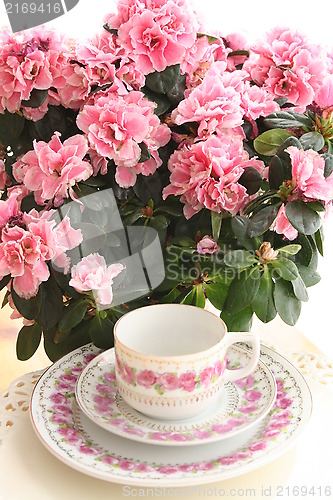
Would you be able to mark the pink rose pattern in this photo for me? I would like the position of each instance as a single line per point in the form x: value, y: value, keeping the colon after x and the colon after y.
x: 161, y: 382
x: 278, y: 421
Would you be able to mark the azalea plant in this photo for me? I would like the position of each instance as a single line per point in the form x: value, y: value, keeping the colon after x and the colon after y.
x: 224, y: 148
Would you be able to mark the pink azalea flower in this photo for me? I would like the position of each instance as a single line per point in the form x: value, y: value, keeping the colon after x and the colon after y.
x: 207, y: 245
x: 168, y: 381
x: 117, y: 125
x: 147, y: 378
x: 157, y: 34
x: 187, y: 381
x: 27, y: 61
x: 281, y: 225
x: 53, y: 168
x: 91, y: 273
x: 288, y: 66
x: 206, y: 174
x: 324, y: 94
x: 307, y: 168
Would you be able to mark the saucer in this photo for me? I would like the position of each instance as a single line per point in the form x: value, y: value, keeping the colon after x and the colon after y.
x: 75, y: 440
x: 242, y: 404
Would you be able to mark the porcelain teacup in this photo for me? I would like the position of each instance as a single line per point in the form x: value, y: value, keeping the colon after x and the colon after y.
x: 171, y: 359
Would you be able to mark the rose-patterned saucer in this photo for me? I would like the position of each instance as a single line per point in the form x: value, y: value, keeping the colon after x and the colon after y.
x: 242, y: 404
x: 75, y: 440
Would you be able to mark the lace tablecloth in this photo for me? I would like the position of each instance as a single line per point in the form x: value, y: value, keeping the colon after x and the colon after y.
x: 29, y: 471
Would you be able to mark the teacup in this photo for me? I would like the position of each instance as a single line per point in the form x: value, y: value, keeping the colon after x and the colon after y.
x: 171, y: 359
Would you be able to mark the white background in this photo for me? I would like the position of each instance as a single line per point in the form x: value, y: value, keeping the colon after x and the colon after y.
x: 252, y: 18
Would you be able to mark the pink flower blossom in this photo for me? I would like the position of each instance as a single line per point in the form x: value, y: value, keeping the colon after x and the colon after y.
x: 206, y: 376
x: 160, y: 436
x: 53, y: 168
x: 156, y: 34
x: 324, y: 94
x: 187, y: 381
x: 246, y: 382
x: 219, y: 368
x: 307, y: 168
x: 168, y: 469
x: 70, y: 435
x: 147, y: 378
x: 247, y: 409
x: 110, y: 460
x: 179, y: 437
x: 201, y: 434
x: 91, y: 273
x: 288, y: 66
x: 222, y: 428
x: 27, y: 60
x: 252, y: 395
x: 205, y: 175
x: 168, y: 381
x: 207, y: 245
x: 117, y: 125
x: 281, y: 225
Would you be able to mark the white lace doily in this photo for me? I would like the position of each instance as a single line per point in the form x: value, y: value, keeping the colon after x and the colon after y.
x: 15, y: 400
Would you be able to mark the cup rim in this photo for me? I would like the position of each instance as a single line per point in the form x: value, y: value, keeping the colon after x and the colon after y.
x: 178, y: 357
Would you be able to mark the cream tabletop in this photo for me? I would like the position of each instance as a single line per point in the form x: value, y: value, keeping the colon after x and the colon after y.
x: 29, y: 471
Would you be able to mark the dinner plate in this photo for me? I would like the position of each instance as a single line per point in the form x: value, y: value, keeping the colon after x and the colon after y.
x: 242, y: 404
x: 75, y: 440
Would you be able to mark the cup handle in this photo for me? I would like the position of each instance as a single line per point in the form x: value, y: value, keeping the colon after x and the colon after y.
x: 254, y: 340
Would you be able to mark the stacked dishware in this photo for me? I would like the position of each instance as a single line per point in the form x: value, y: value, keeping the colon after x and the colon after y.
x: 175, y: 379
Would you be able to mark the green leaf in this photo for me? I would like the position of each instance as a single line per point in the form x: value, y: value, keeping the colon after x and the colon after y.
x: 287, y: 119
x: 101, y: 332
x: 55, y: 119
x: 54, y: 351
x: 263, y: 302
x: 164, y: 81
x: 242, y: 290
x: 176, y: 94
x: 276, y: 175
x: 216, y: 294
x: 251, y: 180
x: 300, y: 290
x: 28, y: 341
x: 312, y: 140
x: 290, y: 249
x: 317, y: 206
x: 51, y: 307
x: 145, y: 155
x: 234, y: 53
x: 285, y: 268
x: 149, y: 187
x: 238, y: 322
x: 4, y: 282
x: 37, y: 97
x: 328, y: 164
x: 183, y: 241
x: 262, y: 220
x: 210, y: 38
x: 239, y: 225
x: 93, y: 237
x: 171, y: 296
x: 269, y: 142
x: 130, y: 219
x: 287, y: 305
x: 306, y: 255
x: 11, y: 126
x: 73, y: 315
x: 216, y: 220
x: 189, y: 297
x: 28, y: 308
x: 240, y: 259
x: 200, y: 299
x: 319, y: 239
x: 162, y: 101
x: 302, y: 218
x: 309, y: 276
